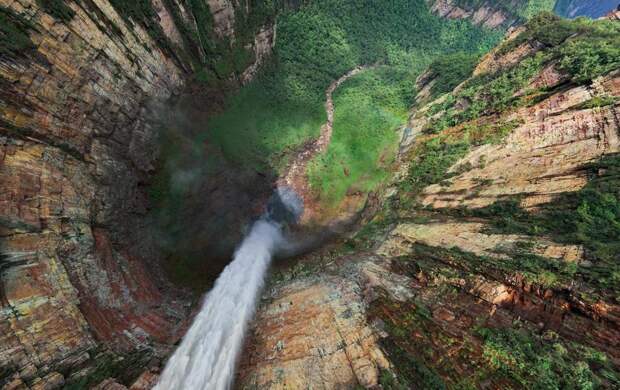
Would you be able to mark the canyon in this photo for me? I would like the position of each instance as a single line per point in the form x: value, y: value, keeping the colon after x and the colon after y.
x: 414, y: 294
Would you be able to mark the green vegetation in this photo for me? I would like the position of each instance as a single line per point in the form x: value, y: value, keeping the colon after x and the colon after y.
x: 432, y: 160
x: 216, y: 58
x: 388, y: 381
x: 583, y: 47
x: 142, y: 12
x: 545, y: 362
x: 586, y: 59
x: 316, y: 45
x: 257, y: 132
x: 546, y: 29
x: 489, y: 133
x: 431, y: 353
x: 412, y: 358
x: 433, y: 156
x: 598, y: 101
x: 124, y: 369
x: 549, y: 273
x: 412, y: 370
x: 14, y: 38
x: 57, y: 8
x: 533, y: 8
x: 450, y: 70
x: 369, y: 108
x: 486, y: 94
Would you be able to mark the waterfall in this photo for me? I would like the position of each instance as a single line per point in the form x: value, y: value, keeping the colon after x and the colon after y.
x: 207, y: 356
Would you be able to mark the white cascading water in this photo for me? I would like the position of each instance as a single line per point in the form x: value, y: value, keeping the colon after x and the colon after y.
x: 207, y: 356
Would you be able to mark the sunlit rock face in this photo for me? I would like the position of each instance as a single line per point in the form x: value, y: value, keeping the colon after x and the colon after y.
x: 485, y: 14
x: 490, y: 14
x: 591, y: 8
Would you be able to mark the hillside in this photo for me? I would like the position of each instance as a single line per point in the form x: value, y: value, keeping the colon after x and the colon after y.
x: 492, y: 261
x: 457, y: 162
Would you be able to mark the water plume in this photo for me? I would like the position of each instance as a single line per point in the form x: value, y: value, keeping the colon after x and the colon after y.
x: 207, y: 356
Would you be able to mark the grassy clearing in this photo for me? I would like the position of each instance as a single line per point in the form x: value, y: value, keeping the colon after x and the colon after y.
x: 369, y: 109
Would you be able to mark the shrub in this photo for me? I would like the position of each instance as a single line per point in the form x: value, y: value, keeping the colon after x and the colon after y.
x: 433, y: 159
x: 14, y: 38
x: 318, y: 43
x: 588, y: 217
x: 57, y: 8
x: 598, y: 101
x: 450, y: 70
x: 586, y: 59
x: 534, y: 362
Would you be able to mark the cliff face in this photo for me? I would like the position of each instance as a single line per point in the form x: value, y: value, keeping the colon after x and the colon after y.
x: 80, y: 86
x: 478, y: 268
x: 490, y: 14
x: 421, y: 292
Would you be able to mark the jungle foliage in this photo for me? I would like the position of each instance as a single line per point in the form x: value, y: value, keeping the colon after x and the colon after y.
x: 318, y: 43
x: 545, y: 362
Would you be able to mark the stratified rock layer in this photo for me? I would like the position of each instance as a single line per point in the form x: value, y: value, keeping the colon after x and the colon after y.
x: 78, y: 268
x: 313, y: 331
x: 542, y: 157
x: 75, y: 145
